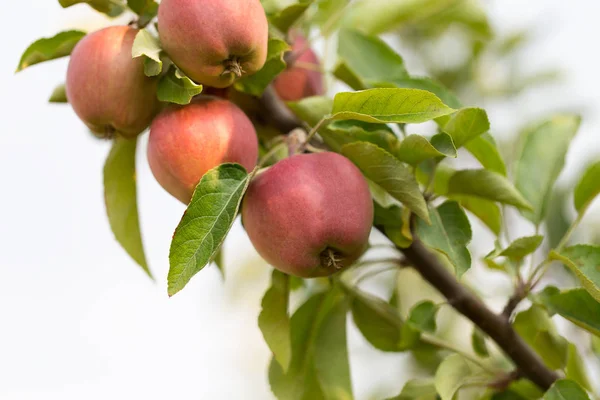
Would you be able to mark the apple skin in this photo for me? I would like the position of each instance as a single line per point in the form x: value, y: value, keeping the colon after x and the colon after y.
x: 187, y: 141
x: 107, y: 88
x: 304, y: 206
x: 203, y: 36
x: 298, y: 82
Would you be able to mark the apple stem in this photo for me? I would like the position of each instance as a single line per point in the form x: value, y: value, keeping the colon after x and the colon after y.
x: 232, y: 66
x: 331, y: 258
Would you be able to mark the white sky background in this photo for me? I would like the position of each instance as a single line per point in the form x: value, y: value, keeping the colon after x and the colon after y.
x: 78, y: 320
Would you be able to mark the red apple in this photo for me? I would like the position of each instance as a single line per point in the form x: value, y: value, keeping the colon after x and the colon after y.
x: 303, y: 78
x: 187, y: 141
x: 214, y: 41
x: 107, y: 88
x: 309, y: 215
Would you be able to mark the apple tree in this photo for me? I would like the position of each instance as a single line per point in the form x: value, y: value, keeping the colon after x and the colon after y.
x: 319, y: 157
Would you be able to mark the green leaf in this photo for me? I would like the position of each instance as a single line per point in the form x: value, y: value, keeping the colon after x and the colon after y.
x: 449, y: 233
x: 478, y: 343
x: 147, y: 45
x: 388, y: 172
x: 578, y: 306
x: 541, y: 160
x: 588, y: 188
x: 415, y: 149
x: 218, y: 260
x: 522, y: 247
x: 175, y: 87
x: 452, y: 374
x: 583, y: 260
x: 59, y: 95
x: 206, y: 222
x: 349, y: 77
x: 576, y: 369
x: 257, y: 83
x: 368, y: 57
x: 144, y: 8
x: 488, y: 185
x: 111, y: 8
x: 566, y: 390
x: 558, y: 219
x: 379, y: 323
x: 47, y: 49
x: 467, y: 124
x: 389, y: 105
x: 430, y: 85
x: 301, y: 381
x: 311, y: 109
x: 537, y: 329
x: 285, y: 18
x: 274, y: 321
x: 329, y: 14
x: 422, y: 316
x: 484, y: 149
x: 332, y: 364
x: 417, y: 389
x: 120, y: 196
x: 339, y: 133
x: 487, y: 211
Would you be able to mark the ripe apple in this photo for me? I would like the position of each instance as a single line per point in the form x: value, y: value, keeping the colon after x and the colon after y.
x: 303, y: 77
x: 214, y: 42
x: 107, y: 88
x: 309, y: 215
x: 187, y: 141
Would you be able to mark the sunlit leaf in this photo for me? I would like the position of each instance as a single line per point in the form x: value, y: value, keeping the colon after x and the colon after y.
x: 588, y: 187
x: 60, y: 45
x: 175, y: 87
x: 147, y: 45
x: 59, y: 95
x: 120, y: 195
x: 255, y: 84
x: 389, y: 105
x: 206, y: 222
x: 566, y: 390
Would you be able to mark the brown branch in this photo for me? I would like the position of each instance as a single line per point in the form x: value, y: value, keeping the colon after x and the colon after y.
x: 466, y: 303
x: 497, y: 326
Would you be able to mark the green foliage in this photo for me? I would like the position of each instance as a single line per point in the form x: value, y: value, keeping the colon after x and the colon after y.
x: 484, y: 149
x: 257, y: 83
x: 520, y: 248
x: 389, y: 105
x: 454, y: 373
x: 48, y: 49
x: 385, y: 170
x: 111, y: 8
x: 478, y: 343
x: 422, y: 316
x: 418, y: 390
x: 566, y: 389
x: 588, y: 188
x: 467, y: 124
x: 541, y: 161
x: 274, y: 321
x: 285, y: 18
x: 120, y: 196
x: 147, y: 45
x: 175, y: 87
x: 380, y: 323
x: 537, y: 329
x: 415, y: 149
x: 369, y: 58
x: 488, y: 185
x: 583, y: 261
x: 449, y: 233
x: 59, y: 95
x: 206, y: 222
x: 576, y: 305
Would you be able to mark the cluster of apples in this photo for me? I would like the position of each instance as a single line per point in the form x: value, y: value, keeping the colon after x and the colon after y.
x: 308, y: 215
